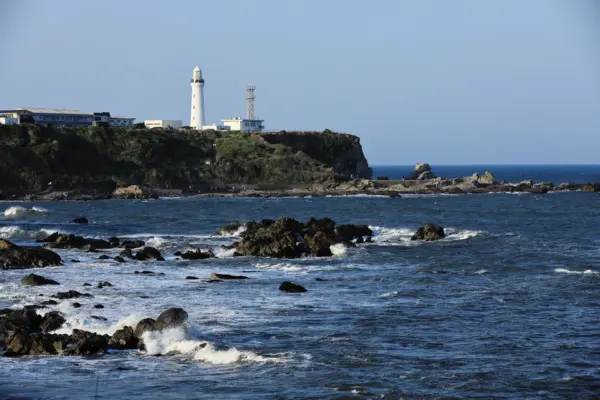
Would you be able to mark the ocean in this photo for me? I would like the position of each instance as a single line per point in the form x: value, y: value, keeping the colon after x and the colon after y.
x: 505, y: 307
x: 556, y: 174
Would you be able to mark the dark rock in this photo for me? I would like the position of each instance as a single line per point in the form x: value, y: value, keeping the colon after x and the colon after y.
x: 191, y: 277
x: 114, y: 241
x: 126, y: 253
x: 290, y: 287
x: 81, y: 220
x: 13, y: 256
x: 349, y: 232
x: 145, y: 273
x: 123, y: 339
x: 49, y: 303
x: 37, y: 280
x: 70, y: 241
x: 171, y: 318
x: 325, y: 225
x: 279, y: 240
x: 75, y: 261
x: 76, y: 305
x: 429, y: 232
x: 19, y: 320
x: 87, y: 284
x: 195, y: 254
x: 89, y: 345
x: 71, y: 294
x: 145, y: 325
x: 104, y: 284
x: 319, y: 244
x: 132, y: 244
x: 321, y: 280
x: 229, y: 229
x: 21, y: 343
x: 96, y: 317
x: 98, y: 306
x: 103, y: 257
x: 226, y: 276
x: 148, y: 253
x: 52, y: 321
x: 119, y: 259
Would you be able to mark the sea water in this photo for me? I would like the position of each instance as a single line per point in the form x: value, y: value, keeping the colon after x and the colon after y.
x: 506, y: 306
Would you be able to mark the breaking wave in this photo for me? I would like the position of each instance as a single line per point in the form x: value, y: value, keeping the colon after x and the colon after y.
x: 568, y: 271
x: 401, y: 236
x: 10, y: 231
x: 18, y: 210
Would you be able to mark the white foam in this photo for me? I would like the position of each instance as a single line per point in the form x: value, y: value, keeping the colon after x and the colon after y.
x: 237, y: 233
x: 568, y: 271
x: 10, y: 231
x: 481, y: 272
x: 156, y: 242
x: 18, y: 210
x: 338, y: 249
x: 457, y: 234
x: 223, y: 253
x: 176, y: 341
x: 401, y: 236
x: 390, y: 294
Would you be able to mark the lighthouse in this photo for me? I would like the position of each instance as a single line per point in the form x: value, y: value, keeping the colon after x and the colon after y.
x: 197, y: 111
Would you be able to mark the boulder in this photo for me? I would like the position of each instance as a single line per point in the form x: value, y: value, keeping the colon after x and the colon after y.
x: 123, y: 339
x: 37, y: 280
x: 119, y: 259
x: 486, y: 179
x: 71, y: 294
x: 19, y: 320
x: 148, y: 253
x: 420, y: 169
x: 191, y: 277
x: 49, y: 303
x: 348, y: 232
x: 145, y: 325
x: 226, y: 276
x: 87, y: 344
x: 21, y: 343
x: 103, y: 257
x: 132, y: 192
x: 76, y: 305
x: 51, y: 321
x: 229, y: 229
x: 290, y: 287
x: 104, y: 284
x: 126, y: 254
x: 70, y: 241
x: 13, y: 256
x: 591, y: 187
x: 319, y: 244
x: 98, y: 306
x: 80, y: 220
x: 132, y: 244
x: 325, y: 225
x: 195, y: 254
x: 429, y: 232
x: 171, y: 318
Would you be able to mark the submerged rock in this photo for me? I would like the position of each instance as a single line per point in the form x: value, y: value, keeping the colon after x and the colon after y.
x: 104, y: 284
x: 71, y: 294
x: 226, y: 276
x: 290, y: 287
x: 80, y: 220
x: 37, y: 280
x: 13, y: 256
x: 429, y: 232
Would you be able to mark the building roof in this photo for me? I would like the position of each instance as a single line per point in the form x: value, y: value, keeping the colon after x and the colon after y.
x: 115, y: 117
x: 54, y: 111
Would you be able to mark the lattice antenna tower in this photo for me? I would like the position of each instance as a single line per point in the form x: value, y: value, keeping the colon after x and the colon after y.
x: 250, y: 101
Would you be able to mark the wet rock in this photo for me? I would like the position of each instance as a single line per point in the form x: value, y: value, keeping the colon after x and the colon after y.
x: 191, y: 277
x: 226, y: 276
x: 80, y: 220
x: 21, y: 343
x: 103, y: 257
x: 290, y: 287
x: 123, y: 339
x: 429, y: 232
x: 349, y: 232
x: 319, y: 244
x: 76, y: 305
x: 150, y: 273
x: 70, y: 241
x: 104, y: 284
x: 13, y: 256
x: 148, y: 253
x: 96, y: 317
x: 89, y: 344
x: 229, y: 229
x: 37, y: 280
x: 132, y: 244
x: 119, y: 259
x: 52, y: 321
x: 145, y: 325
x: 321, y: 280
x: 49, y: 303
x: 18, y: 320
x: 126, y: 254
x: 71, y: 294
x: 98, y: 306
x: 195, y: 254
x: 114, y: 241
x: 87, y: 284
x: 171, y: 318
x: 75, y: 261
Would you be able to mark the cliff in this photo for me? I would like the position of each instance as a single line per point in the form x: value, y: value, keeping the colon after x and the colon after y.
x: 35, y: 159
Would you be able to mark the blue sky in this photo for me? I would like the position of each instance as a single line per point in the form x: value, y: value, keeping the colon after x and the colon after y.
x: 445, y: 82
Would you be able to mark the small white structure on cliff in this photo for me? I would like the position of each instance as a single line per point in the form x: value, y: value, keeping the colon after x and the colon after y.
x: 197, y: 109
x: 250, y: 123
x: 163, y: 123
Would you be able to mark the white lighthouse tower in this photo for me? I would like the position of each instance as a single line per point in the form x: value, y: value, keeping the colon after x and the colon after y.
x: 197, y: 113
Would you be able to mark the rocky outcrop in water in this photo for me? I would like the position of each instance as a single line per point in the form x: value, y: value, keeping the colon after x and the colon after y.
x: 37, y: 280
x: 289, y: 238
x: 13, y: 256
x: 290, y: 287
x: 195, y: 254
x: 429, y: 233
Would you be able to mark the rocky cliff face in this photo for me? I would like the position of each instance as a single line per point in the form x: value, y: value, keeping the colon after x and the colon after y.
x: 95, y: 160
x: 341, y: 151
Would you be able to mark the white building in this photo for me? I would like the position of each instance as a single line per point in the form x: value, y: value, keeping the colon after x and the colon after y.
x: 8, y: 120
x: 163, y: 123
x: 215, y: 127
x: 244, y: 125
x: 197, y: 110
